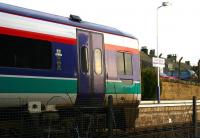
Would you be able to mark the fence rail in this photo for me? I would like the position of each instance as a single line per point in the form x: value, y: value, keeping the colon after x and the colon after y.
x: 98, y: 121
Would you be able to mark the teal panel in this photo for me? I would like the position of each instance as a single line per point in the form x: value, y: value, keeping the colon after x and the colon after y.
x: 37, y: 85
x: 122, y: 88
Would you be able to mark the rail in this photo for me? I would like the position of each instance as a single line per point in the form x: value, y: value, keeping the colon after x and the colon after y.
x: 164, y: 103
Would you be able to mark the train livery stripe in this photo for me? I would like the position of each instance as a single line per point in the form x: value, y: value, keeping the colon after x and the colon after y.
x: 121, y: 88
x: 44, y: 30
x: 38, y: 77
x: 121, y: 48
x: 34, y: 25
x: 37, y: 85
x: 39, y: 29
x: 33, y: 35
x: 71, y: 41
x: 32, y: 84
x: 120, y: 41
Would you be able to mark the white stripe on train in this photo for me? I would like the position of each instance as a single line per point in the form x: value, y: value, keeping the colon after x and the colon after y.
x: 35, y: 25
x: 37, y: 77
x: 45, y: 27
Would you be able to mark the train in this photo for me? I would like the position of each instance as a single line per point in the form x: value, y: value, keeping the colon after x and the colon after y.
x: 43, y: 56
x: 52, y: 60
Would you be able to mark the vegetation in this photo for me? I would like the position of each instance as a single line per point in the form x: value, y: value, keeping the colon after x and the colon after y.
x: 149, y: 83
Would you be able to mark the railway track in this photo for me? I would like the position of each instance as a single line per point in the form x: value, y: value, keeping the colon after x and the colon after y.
x: 164, y: 103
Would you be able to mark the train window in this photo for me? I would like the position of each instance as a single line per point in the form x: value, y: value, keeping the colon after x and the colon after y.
x: 124, y: 63
x: 98, y: 61
x: 22, y: 52
x: 120, y: 63
x: 84, y: 59
x: 128, y: 64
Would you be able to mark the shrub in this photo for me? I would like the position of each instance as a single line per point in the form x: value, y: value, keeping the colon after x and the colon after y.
x: 149, y: 83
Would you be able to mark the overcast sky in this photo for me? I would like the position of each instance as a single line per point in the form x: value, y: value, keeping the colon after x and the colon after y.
x: 179, y: 24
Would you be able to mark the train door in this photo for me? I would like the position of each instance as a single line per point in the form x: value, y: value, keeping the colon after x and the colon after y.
x: 91, y: 68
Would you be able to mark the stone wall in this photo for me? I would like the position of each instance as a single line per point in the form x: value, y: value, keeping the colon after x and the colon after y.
x: 163, y: 116
x: 179, y: 90
x: 157, y: 117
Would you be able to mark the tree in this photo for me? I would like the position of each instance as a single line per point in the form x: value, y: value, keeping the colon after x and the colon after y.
x: 149, y: 83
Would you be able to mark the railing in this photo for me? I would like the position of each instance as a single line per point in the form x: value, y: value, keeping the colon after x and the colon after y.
x: 98, y: 122
x: 163, y: 103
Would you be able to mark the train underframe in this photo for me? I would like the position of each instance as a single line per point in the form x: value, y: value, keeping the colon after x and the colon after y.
x: 76, y: 121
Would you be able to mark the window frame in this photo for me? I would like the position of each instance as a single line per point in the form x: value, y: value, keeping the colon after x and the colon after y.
x: 86, y: 51
x: 18, y: 46
x: 131, y: 64
x: 124, y: 70
x: 101, y: 61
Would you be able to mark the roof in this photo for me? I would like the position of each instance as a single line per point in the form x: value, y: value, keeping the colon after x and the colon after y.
x: 60, y: 19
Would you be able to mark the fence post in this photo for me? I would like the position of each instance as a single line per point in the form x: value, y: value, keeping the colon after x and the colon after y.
x: 110, y: 116
x: 194, y: 117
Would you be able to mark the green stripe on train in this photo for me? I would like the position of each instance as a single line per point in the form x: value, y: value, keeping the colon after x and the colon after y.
x: 122, y: 88
x: 37, y: 85
x: 48, y: 85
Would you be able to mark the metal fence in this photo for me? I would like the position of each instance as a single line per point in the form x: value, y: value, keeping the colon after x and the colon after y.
x: 83, y: 121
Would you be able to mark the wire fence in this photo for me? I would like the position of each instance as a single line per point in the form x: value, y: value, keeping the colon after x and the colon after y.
x: 35, y: 120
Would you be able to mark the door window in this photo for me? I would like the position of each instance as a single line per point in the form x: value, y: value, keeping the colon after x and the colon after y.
x: 84, y: 59
x: 98, y: 61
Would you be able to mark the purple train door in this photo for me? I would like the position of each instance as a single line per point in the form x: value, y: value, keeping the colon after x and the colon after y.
x: 91, y: 68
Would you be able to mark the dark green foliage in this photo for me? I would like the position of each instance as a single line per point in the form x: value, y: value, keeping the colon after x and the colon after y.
x: 149, y: 83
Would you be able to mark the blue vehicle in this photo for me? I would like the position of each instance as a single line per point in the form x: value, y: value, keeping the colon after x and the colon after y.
x: 184, y: 75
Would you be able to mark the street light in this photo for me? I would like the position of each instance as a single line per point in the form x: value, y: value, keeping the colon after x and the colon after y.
x: 164, y: 4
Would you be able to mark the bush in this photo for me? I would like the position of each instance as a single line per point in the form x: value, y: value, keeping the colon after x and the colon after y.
x: 149, y: 83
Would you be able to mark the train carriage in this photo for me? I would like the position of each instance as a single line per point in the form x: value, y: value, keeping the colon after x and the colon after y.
x: 51, y: 59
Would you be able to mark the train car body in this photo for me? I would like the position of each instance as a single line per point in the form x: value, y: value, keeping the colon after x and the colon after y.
x: 59, y: 60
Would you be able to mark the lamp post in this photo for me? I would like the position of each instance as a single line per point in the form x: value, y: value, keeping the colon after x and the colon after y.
x: 164, y: 4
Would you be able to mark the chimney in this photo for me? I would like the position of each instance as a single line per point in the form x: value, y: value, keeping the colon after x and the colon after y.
x: 144, y: 49
x: 172, y: 57
x: 152, y: 53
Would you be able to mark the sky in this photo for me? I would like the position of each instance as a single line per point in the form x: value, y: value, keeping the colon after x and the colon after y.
x: 178, y: 24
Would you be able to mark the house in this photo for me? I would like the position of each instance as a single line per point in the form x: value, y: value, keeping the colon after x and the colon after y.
x: 173, y: 68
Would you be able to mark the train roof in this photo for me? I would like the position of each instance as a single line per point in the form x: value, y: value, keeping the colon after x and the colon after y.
x: 60, y: 19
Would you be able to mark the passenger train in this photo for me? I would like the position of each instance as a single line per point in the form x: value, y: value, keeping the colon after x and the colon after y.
x: 49, y: 59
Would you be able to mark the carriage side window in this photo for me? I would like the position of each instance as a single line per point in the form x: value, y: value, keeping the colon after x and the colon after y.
x: 84, y: 59
x: 128, y: 64
x: 22, y: 52
x: 124, y: 63
x: 120, y: 63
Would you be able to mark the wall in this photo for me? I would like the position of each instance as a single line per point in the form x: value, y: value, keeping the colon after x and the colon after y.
x: 163, y: 116
x: 179, y: 90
